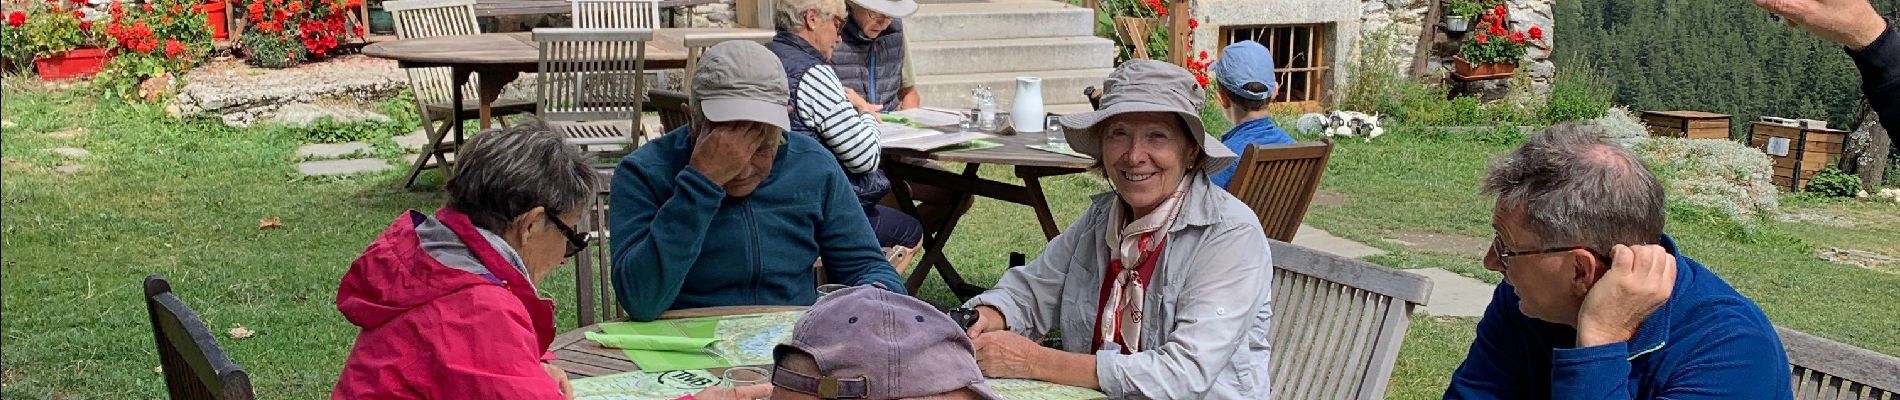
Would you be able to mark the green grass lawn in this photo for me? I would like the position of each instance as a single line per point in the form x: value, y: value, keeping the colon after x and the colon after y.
x: 184, y: 199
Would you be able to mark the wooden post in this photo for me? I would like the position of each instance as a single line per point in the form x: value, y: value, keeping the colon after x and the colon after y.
x: 1178, y: 32
x: 1425, y: 38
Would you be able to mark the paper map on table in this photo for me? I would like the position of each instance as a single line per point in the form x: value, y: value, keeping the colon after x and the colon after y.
x: 642, y: 385
x: 743, y: 340
x: 1024, y: 389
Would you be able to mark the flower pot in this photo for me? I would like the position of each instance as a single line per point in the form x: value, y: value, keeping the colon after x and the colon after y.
x: 1135, y: 31
x: 1457, y: 24
x: 1466, y: 71
x: 381, y: 21
x: 76, y: 63
x: 214, y: 16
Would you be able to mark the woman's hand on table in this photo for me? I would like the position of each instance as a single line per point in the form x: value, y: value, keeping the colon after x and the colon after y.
x: 987, y: 320
x: 753, y: 392
x: 560, y: 376
x: 1007, y: 355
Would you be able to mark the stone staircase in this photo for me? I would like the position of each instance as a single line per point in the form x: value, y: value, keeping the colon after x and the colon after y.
x: 957, y: 46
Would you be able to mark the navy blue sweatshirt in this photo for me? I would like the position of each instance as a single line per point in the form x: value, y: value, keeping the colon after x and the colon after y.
x: 1879, y: 65
x: 1705, y: 342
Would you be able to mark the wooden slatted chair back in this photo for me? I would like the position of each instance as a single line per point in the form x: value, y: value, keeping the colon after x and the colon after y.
x: 593, y: 269
x: 1278, y: 182
x: 1337, y: 323
x: 697, y: 43
x: 1823, y: 369
x: 194, y: 365
x: 591, y: 74
x: 643, y: 14
x: 430, y: 18
x: 672, y: 108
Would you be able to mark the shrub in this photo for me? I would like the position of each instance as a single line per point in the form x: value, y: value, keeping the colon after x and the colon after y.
x: 1831, y: 182
x: 272, y: 49
x: 165, y: 37
x: 1721, y: 175
x: 1620, y: 127
x: 1576, y: 93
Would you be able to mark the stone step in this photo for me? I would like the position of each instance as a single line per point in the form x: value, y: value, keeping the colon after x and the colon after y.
x: 333, y: 151
x: 343, y: 167
x: 998, y: 20
x: 1058, y: 87
x: 1011, y: 55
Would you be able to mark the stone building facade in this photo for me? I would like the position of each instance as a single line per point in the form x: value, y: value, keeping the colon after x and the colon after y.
x: 1343, y: 24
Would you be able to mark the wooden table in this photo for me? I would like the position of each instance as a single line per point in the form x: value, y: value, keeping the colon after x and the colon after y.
x: 501, y: 57
x: 1031, y: 165
x: 583, y: 358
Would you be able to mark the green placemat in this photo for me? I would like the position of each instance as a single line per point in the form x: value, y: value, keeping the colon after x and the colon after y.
x: 1063, y: 150
x: 978, y: 144
x: 739, y: 340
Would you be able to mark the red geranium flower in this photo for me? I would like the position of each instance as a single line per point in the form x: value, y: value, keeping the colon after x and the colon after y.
x: 1517, y: 37
x: 1482, y: 39
x: 1501, y: 11
x: 78, y: 15
x: 166, y: 19
x: 1161, y: 10
x: 177, y: 9
x: 173, y: 48
x: 1537, y: 33
x: 149, y: 8
x: 1202, y: 79
x: 1203, y: 54
x: 16, y: 18
x: 85, y: 25
x: 1192, y: 23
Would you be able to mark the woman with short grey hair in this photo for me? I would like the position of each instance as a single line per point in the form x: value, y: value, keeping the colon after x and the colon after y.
x: 808, y: 32
x: 447, y: 303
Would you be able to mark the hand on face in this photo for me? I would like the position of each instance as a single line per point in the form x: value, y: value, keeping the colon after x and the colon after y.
x: 1006, y: 355
x: 1639, y: 280
x: 724, y: 152
x: 1851, y: 23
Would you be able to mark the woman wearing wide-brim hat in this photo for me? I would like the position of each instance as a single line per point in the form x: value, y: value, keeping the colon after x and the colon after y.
x: 1162, y: 288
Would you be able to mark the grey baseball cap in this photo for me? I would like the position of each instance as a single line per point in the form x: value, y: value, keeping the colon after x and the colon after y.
x: 892, y: 8
x: 873, y: 344
x: 1149, y: 86
x: 739, y: 80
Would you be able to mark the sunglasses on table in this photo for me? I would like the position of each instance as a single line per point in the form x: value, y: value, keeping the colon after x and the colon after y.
x: 575, y: 240
x: 1504, y: 254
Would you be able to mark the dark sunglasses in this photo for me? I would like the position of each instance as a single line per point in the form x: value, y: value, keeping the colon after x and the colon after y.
x: 575, y: 240
x: 1504, y: 255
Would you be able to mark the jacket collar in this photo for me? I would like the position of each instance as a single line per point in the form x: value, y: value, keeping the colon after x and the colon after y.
x: 1653, y: 334
x: 796, y: 42
x: 540, y: 311
x: 1200, y: 207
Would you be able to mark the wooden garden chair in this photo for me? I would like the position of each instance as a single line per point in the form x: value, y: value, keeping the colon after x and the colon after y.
x: 1278, y: 182
x: 640, y: 14
x: 1337, y: 323
x: 431, y: 86
x: 697, y: 43
x: 593, y: 268
x: 1825, y: 369
x: 189, y: 357
x: 591, y: 85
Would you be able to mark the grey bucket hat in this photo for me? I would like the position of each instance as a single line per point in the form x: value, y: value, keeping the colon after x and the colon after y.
x: 873, y: 344
x: 740, y: 80
x: 1149, y: 86
x: 892, y: 8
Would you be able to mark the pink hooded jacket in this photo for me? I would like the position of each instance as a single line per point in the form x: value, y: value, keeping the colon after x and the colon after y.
x: 443, y: 316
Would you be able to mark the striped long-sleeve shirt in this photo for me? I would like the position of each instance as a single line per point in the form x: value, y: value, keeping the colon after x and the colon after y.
x: 850, y: 135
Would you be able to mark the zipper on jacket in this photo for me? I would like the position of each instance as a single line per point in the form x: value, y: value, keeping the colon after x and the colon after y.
x: 752, y: 228
x: 870, y: 65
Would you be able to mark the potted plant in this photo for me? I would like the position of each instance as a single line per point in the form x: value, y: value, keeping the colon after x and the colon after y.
x: 63, y: 40
x: 153, y: 41
x: 1460, y: 13
x: 1494, y: 51
x: 13, y: 46
x: 1138, y: 27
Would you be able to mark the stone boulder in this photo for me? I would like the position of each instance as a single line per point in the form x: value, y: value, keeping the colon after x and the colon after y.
x: 241, y: 95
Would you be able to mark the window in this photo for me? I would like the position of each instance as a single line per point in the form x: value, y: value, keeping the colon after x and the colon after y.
x: 1299, y: 59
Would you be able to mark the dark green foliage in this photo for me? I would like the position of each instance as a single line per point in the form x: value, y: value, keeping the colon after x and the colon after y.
x: 1720, y: 56
x: 1578, y: 92
x: 1831, y: 182
x: 273, y: 50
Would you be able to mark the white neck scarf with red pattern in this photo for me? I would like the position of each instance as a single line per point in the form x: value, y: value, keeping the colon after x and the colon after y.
x: 1127, y: 246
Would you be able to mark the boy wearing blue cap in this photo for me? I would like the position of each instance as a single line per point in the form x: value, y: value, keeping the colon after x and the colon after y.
x: 1245, y: 73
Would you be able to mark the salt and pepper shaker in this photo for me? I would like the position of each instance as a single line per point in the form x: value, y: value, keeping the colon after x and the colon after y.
x: 985, y: 109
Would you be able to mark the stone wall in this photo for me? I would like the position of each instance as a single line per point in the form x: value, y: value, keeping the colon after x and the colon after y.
x: 1352, y: 20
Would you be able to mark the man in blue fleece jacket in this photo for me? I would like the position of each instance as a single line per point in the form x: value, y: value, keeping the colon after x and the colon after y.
x: 1597, y: 303
x: 731, y: 210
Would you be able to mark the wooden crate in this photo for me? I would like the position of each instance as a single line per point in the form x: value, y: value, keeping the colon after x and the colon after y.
x: 1809, y: 150
x: 1687, y: 124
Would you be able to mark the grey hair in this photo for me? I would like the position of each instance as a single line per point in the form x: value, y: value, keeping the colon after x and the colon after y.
x: 789, y: 15
x: 504, y: 173
x: 1577, y: 190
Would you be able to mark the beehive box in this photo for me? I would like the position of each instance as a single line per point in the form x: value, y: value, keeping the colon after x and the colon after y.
x: 1797, y: 153
x: 1687, y: 124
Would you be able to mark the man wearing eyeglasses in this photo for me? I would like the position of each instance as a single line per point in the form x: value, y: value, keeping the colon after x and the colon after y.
x: 1597, y: 302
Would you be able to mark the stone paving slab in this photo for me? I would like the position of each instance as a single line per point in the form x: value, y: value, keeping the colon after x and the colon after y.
x: 1454, y: 295
x: 71, y: 152
x: 342, y: 167
x: 1321, y: 240
x: 69, y: 169
x: 414, y: 140
x: 331, y: 151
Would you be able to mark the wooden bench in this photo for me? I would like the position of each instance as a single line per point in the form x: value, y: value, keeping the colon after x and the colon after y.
x: 1337, y: 323
x: 1826, y: 369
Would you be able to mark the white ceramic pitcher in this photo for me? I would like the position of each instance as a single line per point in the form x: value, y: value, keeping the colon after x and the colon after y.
x: 1026, y: 114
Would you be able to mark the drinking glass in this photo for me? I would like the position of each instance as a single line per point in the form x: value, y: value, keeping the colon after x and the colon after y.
x: 1053, y: 128
x: 737, y: 377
